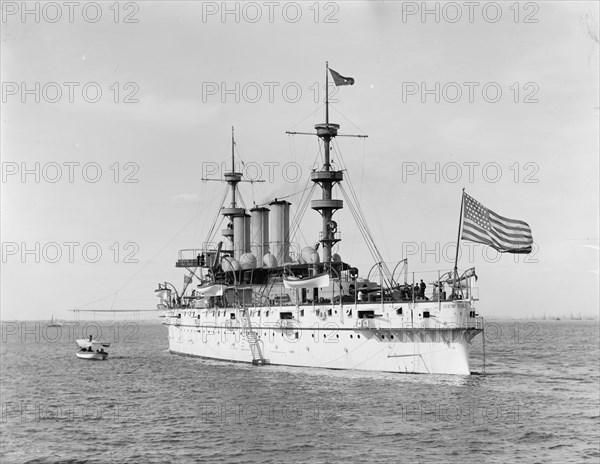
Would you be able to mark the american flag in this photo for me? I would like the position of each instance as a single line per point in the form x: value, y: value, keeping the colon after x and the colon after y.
x: 482, y: 225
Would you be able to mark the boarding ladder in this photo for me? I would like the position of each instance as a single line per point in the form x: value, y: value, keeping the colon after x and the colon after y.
x: 253, y: 339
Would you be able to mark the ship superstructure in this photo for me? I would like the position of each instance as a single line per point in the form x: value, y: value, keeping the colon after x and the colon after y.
x: 253, y: 299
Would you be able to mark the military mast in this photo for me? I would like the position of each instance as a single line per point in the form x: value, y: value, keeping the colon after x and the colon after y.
x: 232, y: 178
x: 327, y: 178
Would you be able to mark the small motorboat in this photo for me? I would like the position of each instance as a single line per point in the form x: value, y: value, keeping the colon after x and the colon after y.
x: 92, y: 349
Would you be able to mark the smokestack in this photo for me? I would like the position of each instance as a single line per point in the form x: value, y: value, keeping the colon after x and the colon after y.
x: 241, y: 235
x: 259, y: 233
x: 279, y: 230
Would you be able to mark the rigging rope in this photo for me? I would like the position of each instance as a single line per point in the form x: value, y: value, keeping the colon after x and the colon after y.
x: 306, y: 117
x: 353, y: 200
x: 334, y: 108
x: 364, y: 230
x: 214, y: 224
x: 302, y: 207
x: 300, y: 211
x: 136, y: 273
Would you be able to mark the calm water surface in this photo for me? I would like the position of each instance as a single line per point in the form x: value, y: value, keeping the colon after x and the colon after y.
x: 538, y: 402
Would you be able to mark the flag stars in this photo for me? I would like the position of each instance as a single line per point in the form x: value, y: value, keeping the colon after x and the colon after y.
x: 477, y: 213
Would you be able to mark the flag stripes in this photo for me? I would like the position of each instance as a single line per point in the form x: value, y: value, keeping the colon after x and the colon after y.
x: 484, y: 226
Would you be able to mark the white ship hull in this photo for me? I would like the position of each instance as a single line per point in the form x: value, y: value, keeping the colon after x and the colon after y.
x: 92, y: 356
x: 388, y: 343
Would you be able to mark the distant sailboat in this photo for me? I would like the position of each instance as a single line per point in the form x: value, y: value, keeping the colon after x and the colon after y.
x: 54, y: 323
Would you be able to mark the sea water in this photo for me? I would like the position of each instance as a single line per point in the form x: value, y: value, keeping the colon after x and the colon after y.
x: 537, y: 402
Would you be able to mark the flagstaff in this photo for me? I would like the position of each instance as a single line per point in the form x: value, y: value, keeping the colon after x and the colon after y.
x: 462, y: 200
x: 327, y: 92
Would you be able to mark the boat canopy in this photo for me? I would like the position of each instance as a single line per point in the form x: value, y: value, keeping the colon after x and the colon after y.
x: 83, y: 343
x: 321, y: 280
x: 211, y: 290
x: 163, y: 293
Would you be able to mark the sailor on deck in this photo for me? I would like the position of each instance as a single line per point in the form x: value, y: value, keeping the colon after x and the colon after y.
x: 422, y: 287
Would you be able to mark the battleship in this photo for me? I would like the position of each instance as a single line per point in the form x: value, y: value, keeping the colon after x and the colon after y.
x: 252, y: 297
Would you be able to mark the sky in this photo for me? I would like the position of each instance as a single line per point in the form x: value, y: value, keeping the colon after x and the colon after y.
x: 112, y: 113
